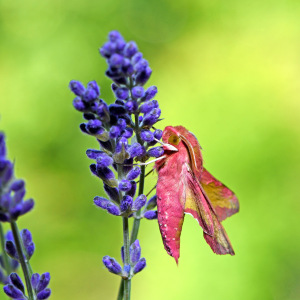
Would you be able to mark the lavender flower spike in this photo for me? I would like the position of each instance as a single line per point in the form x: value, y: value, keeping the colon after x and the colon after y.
x: 12, y: 203
x: 19, y: 245
x: 125, y: 132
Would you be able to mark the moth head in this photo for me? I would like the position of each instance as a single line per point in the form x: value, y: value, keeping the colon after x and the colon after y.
x: 173, y: 136
x: 170, y: 139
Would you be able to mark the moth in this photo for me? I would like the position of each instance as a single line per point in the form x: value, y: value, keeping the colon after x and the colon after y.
x: 185, y: 187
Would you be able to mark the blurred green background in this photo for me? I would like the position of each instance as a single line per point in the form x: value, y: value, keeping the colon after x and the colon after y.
x: 229, y: 71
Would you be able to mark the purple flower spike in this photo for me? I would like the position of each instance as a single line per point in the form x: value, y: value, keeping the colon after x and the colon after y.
x: 150, y: 93
x: 17, y: 185
x: 94, y: 86
x: 116, y: 60
x: 17, y: 282
x: 135, y: 252
x: 132, y: 191
x: 139, y: 266
x: 35, y: 278
x: 114, y: 210
x: 107, y: 175
x: 143, y: 76
x: 102, y: 111
x: 93, y: 154
x: 134, y: 173
x: 11, y: 249
x: 127, y: 67
x: 131, y: 106
x: 117, y: 110
x: 151, y: 117
x: 27, y: 206
x: 112, y: 265
x: 122, y: 93
x: 123, y: 142
x: 138, y: 92
x: 150, y: 215
x: 136, y: 149
x: 127, y: 133
x: 13, y: 292
x: 147, y: 135
x: 43, y: 282
x: 102, y: 202
x: 114, y: 132
x: 146, y: 107
x: 156, y: 152
x: 125, y: 185
x: 126, y: 204
x: 112, y: 193
x: 79, y: 104
x: 15, y: 211
x: 114, y: 36
x: 77, y: 87
x: 136, y: 57
x: 130, y: 49
x: 158, y: 134
x: 104, y: 160
x: 122, y: 124
x: 139, y: 202
x: 27, y: 242
x: 141, y: 66
x: 94, y: 126
x: 45, y: 294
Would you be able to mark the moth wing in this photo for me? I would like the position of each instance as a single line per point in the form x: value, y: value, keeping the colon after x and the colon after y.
x: 170, y: 191
x: 196, y: 204
x: 221, y: 197
x: 215, y: 236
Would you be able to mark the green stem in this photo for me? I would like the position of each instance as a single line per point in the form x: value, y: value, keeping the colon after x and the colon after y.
x: 136, y: 223
x: 121, y: 290
x: 127, y: 282
x: 4, y: 254
x: 23, y: 260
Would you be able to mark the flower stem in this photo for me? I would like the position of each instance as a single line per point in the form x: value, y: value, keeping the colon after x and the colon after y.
x: 4, y: 254
x: 121, y: 290
x: 127, y: 282
x: 136, y: 223
x: 23, y: 260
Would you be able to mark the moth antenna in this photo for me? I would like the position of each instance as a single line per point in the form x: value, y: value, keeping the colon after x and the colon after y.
x: 191, y: 151
x: 151, y: 191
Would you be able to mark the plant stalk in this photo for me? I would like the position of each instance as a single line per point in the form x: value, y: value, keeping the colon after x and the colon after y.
x: 23, y: 260
x: 4, y: 254
x: 136, y: 223
x: 127, y: 282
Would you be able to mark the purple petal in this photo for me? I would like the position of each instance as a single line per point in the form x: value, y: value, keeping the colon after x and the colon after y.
x: 45, y: 294
x: 12, y: 292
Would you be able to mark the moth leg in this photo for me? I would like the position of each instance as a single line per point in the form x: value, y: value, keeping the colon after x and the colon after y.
x: 147, y: 174
x: 143, y: 164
